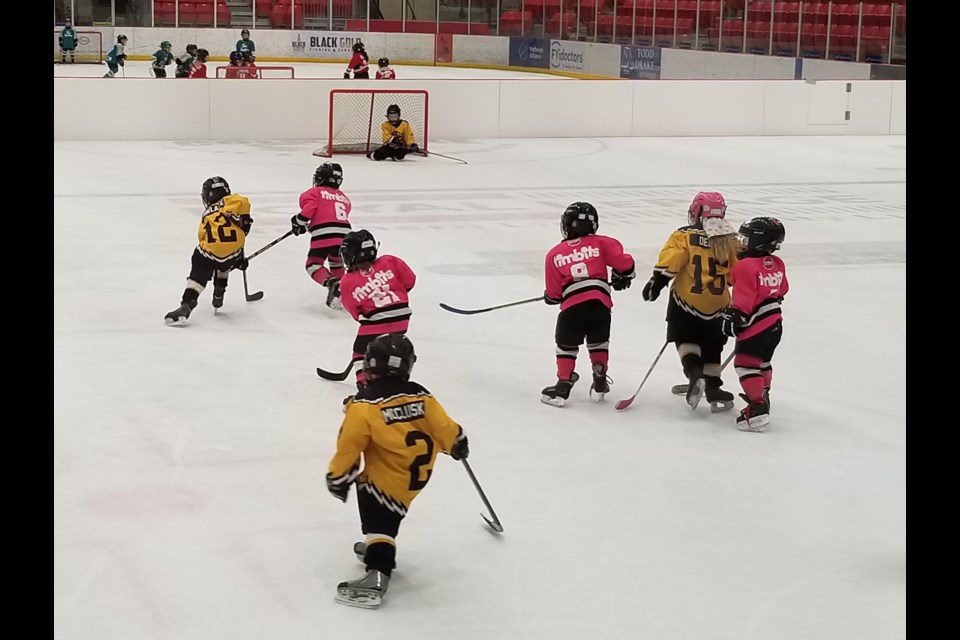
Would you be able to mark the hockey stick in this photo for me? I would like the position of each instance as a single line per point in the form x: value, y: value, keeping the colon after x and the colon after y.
x: 268, y: 245
x: 470, y: 312
x: 427, y: 154
x: 495, y: 523
x: 623, y: 404
x: 251, y: 297
x: 681, y: 389
x: 258, y: 295
x: 338, y: 377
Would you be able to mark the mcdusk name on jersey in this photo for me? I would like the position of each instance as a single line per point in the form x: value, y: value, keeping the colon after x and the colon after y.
x: 403, y: 412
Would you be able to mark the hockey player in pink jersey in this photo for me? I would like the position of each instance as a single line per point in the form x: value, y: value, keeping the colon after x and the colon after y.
x: 759, y: 282
x: 374, y: 291
x: 325, y: 213
x: 576, y: 279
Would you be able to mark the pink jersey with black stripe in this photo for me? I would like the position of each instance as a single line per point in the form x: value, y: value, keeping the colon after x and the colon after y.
x: 758, y: 286
x: 576, y: 269
x: 377, y: 297
x: 325, y: 212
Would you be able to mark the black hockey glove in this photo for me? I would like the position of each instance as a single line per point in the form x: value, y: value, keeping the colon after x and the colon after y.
x: 346, y: 75
x: 295, y: 225
x: 414, y: 148
x: 733, y: 320
x: 651, y: 290
x: 340, y: 491
x: 549, y: 300
x: 460, y: 449
x: 620, y: 281
x: 241, y: 263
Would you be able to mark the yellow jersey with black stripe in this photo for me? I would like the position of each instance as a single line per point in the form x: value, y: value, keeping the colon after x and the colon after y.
x: 701, y: 280
x: 397, y: 428
x: 224, y: 228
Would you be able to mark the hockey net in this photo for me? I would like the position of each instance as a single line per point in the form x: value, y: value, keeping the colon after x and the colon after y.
x: 356, y: 116
x: 255, y: 72
x: 89, y: 48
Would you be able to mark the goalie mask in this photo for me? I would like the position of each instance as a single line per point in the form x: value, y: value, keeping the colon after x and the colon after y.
x: 214, y: 190
x: 329, y: 174
x: 578, y: 220
x: 357, y: 248
x: 393, y: 110
x: 390, y: 354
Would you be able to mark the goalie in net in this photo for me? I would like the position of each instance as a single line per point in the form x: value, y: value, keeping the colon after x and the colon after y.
x: 398, y: 138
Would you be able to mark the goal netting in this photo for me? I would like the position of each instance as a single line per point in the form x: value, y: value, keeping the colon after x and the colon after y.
x: 356, y: 116
x: 255, y: 72
x: 89, y: 48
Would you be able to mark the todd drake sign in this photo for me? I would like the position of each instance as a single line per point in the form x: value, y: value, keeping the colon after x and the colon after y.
x: 324, y: 44
x: 566, y: 55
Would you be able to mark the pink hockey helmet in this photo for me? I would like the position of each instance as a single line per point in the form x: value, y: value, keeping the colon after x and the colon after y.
x: 706, y: 204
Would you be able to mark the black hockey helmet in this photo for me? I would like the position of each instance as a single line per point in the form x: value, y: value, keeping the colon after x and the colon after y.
x: 357, y: 46
x: 202, y: 55
x: 578, y: 220
x: 191, y: 48
x: 214, y: 190
x: 394, y: 108
x: 329, y: 174
x: 357, y: 248
x: 383, y: 62
x: 390, y: 354
x: 245, y: 32
x: 122, y: 38
x: 760, y: 237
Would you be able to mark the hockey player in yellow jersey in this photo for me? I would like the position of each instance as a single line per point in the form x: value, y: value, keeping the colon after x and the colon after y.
x: 697, y: 258
x: 397, y: 428
x: 221, y: 237
x: 398, y: 138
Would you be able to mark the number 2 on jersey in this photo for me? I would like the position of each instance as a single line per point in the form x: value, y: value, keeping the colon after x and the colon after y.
x: 423, y: 459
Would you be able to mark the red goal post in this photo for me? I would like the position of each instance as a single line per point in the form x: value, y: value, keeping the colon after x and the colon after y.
x: 266, y: 71
x: 89, y: 47
x: 356, y: 116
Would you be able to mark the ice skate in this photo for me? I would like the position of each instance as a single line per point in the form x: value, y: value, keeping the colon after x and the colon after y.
x: 366, y: 592
x: 560, y: 392
x: 218, y: 292
x: 601, y: 382
x: 333, y: 293
x: 695, y: 389
x: 754, y: 417
x: 696, y: 383
x: 180, y: 315
x: 719, y: 399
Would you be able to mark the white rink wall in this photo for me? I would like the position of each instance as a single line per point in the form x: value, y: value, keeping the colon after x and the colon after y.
x: 148, y: 109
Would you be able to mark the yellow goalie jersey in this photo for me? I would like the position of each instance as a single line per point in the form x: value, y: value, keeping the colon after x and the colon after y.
x: 402, y: 133
x: 224, y: 228
x: 701, y: 282
x: 398, y: 428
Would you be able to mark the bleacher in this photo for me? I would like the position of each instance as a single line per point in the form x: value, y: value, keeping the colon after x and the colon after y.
x: 753, y: 26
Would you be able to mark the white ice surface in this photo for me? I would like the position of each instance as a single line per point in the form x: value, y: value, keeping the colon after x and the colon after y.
x: 189, y: 497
